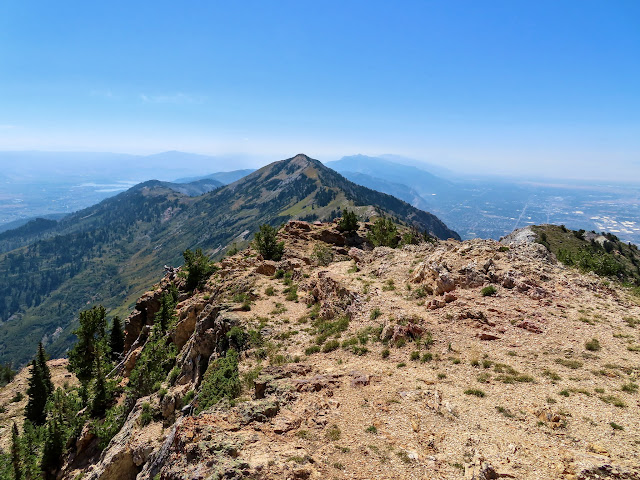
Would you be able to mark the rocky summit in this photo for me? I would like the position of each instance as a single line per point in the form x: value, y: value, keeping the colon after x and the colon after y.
x: 436, y: 360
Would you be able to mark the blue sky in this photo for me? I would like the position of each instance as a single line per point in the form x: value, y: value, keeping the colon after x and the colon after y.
x: 507, y: 86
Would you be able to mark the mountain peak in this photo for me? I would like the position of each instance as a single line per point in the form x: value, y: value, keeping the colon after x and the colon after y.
x: 301, y: 160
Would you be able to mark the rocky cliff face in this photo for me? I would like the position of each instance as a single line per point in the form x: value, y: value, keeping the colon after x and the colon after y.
x: 442, y: 360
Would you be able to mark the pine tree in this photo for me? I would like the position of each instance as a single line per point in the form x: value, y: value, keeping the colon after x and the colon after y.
x: 99, y: 400
x: 349, y: 222
x: 116, y: 339
x: 38, y: 393
x: 15, y: 452
x: 166, y: 314
x: 266, y: 242
x: 91, y: 344
x: 44, y: 368
x: 53, y: 448
x: 30, y: 442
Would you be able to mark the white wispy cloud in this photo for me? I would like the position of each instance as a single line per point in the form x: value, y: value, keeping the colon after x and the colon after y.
x: 178, y: 98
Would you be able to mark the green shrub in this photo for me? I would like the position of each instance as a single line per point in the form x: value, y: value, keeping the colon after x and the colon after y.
x: 629, y: 387
x: 426, y: 357
x: 146, y: 415
x: 489, y: 291
x: 326, y: 328
x: 348, y: 222
x: 269, y: 291
x: 415, y: 356
x: 155, y: 362
x: 389, y: 285
x: 237, y: 338
x: 505, y: 411
x: 278, y: 274
x: 371, y: 429
x: 292, y: 293
x: 573, y: 364
x: 375, y: 313
x: 474, y: 391
x: 198, y: 266
x: 385, y: 353
x: 173, y: 375
x: 330, y: 346
x: 383, y: 233
x: 188, y: 397
x: 221, y: 380
x: 334, y: 433
x: 615, y: 426
x: 311, y: 350
x: 592, y: 345
x: 267, y: 244
x: 105, y: 430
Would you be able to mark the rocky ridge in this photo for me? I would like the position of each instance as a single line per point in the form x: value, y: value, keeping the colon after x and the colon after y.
x: 389, y: 363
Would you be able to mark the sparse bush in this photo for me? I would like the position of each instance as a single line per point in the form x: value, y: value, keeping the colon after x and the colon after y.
x: 385, y: 353
x: 615, y: 426
x: 551, y: 375
x: 269, y: 291
x: 415, y: 356
x: 311, y: 350
x: 474, y: 391
x: 330, y: 346
x: 613, y: 400
x: 292, y: 293
x: 154, y: 363
x: 489, y: 291
x: 375, y: 313
x: 221, y: 380
x: 592, y: 345
x: 371, y: 429
x: 505, y: 412
x: 278, y: 274
x: 573, y: 364
x: 334, y: 433
x: 267, y: 244
x: 146, y: 415
x: 322, y: 254
x: 629, y: 387
x: 426, y: 357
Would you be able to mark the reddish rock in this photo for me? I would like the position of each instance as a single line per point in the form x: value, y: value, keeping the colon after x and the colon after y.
x: 487, y: 336
x: 529, y: 326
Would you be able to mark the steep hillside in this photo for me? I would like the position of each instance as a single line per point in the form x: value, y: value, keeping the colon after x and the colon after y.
x: 445, y: 360
x: 111, y: 252
x: 601, y: 253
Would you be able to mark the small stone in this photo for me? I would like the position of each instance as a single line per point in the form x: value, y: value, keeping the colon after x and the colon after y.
x: 599, y: 449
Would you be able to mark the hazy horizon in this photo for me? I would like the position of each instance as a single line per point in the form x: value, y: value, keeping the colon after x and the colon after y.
x: 499, y: 87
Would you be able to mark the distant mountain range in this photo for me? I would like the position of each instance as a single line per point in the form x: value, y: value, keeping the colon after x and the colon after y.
x: 39, y: 184
x: 113, y: 251
x: 489, y: 207
x: 224, y: 178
